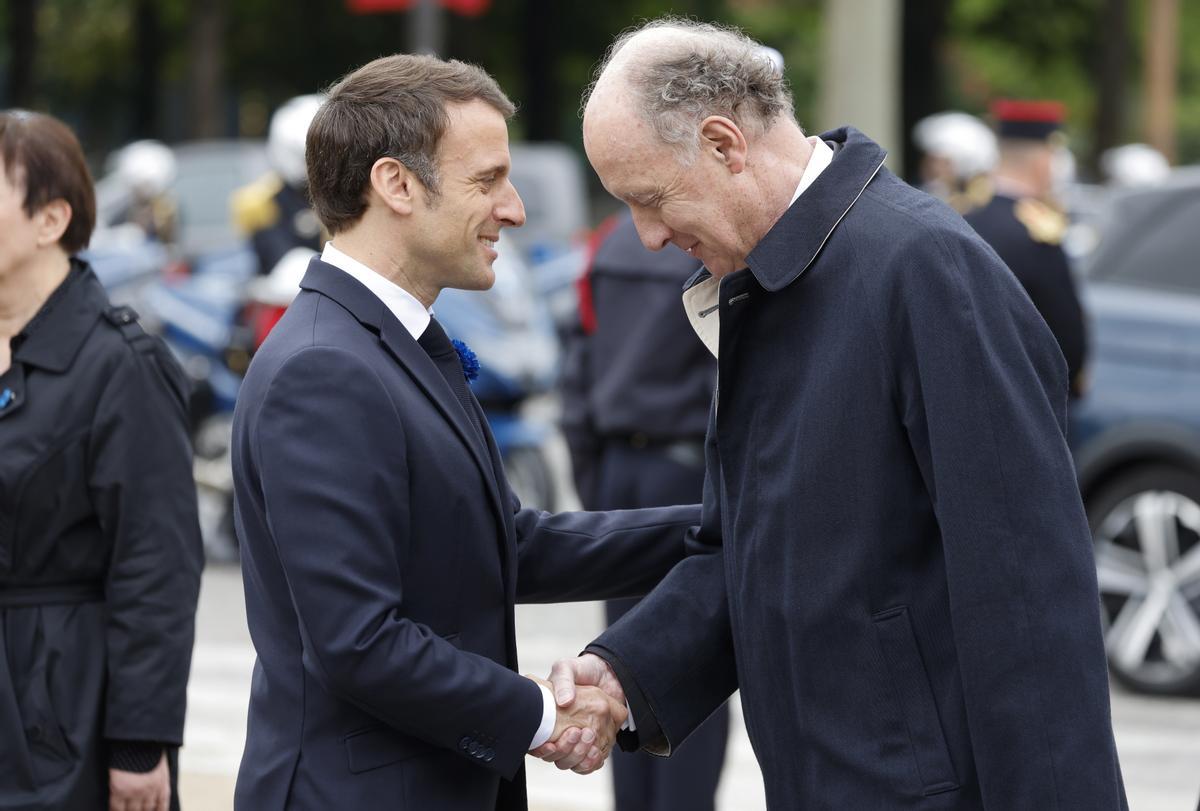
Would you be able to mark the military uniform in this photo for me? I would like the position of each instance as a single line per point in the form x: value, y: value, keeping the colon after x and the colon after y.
x: 1027, y: 234
x: 637, y: 389
x: 100, y: 552
x: 276, y: 217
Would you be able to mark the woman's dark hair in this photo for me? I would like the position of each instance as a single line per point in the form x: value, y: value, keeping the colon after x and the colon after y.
x: 42, y: 156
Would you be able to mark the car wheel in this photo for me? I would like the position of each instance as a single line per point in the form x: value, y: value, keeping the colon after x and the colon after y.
x: 530, y: 478
x: 1146, y: 528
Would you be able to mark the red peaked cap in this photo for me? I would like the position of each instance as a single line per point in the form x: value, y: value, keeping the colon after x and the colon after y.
x: 1027, y: 119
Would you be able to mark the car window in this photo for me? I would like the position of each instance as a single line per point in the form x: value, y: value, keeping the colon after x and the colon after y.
x: 1156, y: 244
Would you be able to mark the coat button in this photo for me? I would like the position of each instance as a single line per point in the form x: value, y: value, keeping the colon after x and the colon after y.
x: 464, y: 743
x: 34, y: 733
x: 473, y: 749
x: 489, y: 755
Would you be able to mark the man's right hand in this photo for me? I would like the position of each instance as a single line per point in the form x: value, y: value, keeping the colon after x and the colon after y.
x: 571, y: 679
x: 587, y: 669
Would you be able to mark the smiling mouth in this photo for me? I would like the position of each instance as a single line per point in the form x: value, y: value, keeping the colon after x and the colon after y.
x: 489, y: 242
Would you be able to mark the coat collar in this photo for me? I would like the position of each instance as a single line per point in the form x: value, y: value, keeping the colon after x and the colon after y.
x: 328, y: 280
x: 55, y: 335
x: 793, y: 243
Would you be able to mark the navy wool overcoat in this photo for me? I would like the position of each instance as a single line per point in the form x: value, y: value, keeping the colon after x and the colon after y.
x: 894, y: 564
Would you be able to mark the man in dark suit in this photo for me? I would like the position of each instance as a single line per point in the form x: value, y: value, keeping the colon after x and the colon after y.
x: 382, y: 549
x: 637, y: 387
x: 893, y: 565
x: 1026, y: 229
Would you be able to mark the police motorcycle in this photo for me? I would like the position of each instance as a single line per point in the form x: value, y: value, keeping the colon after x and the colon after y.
x: 135, y: 222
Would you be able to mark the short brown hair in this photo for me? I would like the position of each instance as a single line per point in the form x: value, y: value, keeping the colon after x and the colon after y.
x: 392, y: 107
x: 41, y: 154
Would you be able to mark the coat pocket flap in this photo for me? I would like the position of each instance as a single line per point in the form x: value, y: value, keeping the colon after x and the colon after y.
x: 378, y: 746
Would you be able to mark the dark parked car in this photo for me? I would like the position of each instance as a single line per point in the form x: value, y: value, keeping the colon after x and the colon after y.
x: 1136, y: 434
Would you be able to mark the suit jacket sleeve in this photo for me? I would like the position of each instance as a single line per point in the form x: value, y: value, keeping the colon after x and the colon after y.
x: 982, y: 390
x: 674, y: 651
x: 142, y: 487
x: 574, y: 556
x: 334, y: 477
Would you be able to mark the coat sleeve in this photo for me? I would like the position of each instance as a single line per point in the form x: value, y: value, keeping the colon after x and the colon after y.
x: 674, y: 651
x: 333, y: 478
x: 982, y: 391
x: 143, y: 491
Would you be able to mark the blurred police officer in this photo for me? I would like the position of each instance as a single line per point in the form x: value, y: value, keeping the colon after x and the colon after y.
x: 1024, y: 227
x: 274, y: 211
x: 959, y: 153
x: 637, y: 390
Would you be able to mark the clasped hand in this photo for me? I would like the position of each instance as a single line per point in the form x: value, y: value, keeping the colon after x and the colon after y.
x: 591, y: 710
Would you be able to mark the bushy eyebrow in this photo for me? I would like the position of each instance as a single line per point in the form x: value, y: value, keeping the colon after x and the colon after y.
x: 498, y: 169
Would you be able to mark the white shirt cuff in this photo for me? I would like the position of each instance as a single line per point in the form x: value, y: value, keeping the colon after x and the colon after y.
x: 549, y: 716
x: 630, y: 726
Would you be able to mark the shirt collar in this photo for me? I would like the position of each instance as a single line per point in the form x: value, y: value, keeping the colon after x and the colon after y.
x: 820, y: 158
x: 700, y: 299
x: 404, y: 305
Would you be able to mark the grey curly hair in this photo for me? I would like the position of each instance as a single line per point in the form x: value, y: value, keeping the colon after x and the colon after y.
x: 709, y: 70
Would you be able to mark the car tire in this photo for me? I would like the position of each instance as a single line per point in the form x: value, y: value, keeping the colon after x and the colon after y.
x: 1146, y: 529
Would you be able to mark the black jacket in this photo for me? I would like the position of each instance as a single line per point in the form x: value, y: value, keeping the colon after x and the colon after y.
x: 639, y: 371
x: 100, y: 552
x: 893, y: 551
x: 382, y: 553
x: 1042, y: 269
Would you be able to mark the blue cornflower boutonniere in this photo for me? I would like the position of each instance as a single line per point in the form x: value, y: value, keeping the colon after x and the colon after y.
x: 470, y: 363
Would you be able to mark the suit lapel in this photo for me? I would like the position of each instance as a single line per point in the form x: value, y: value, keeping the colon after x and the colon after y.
x: 371, y: 313
x: 404, y: 348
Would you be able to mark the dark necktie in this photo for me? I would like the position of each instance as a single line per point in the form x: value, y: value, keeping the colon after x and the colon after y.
x: 443, y: 354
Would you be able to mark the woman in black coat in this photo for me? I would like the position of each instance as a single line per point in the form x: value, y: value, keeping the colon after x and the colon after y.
x: 100, y: 550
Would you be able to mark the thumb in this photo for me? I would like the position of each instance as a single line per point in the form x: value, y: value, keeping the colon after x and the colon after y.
x: 562, y: 677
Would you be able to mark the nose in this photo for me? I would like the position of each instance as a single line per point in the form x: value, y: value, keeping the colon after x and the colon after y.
x: 510, y: 211
x: 655, y: 235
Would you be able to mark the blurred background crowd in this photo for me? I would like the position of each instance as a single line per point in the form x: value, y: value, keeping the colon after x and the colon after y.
x: 193, y: 114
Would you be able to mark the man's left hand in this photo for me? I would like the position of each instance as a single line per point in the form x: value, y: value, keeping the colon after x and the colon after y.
x: 133, y: 791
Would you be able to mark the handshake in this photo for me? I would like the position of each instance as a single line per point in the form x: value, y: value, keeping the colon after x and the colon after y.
x: 591, y: 710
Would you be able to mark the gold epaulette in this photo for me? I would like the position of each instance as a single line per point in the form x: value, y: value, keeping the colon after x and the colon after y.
x: 253, y: 206
x: 1043, y: 222
x: 975, y: 193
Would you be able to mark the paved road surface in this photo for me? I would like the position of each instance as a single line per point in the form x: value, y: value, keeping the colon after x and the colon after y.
x: 1159, y: 740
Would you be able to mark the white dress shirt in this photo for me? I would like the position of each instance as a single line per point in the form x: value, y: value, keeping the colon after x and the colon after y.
x: 700, y: 300
x: 415, y: 318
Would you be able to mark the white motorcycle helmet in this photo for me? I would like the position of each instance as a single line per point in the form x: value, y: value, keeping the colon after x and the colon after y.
x: 285, y: 138
x: 146, y: 168
x: 1134, y: 165
x: 966, y: 142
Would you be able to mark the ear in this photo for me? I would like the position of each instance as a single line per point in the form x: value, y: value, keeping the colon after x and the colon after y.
x: 724, y: 140
x: 394, y: 185
x: 52, y: 221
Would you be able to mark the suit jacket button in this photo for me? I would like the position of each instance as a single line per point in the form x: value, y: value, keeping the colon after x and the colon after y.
x: 489, y: 755
x: 464, y: 743
x: 473, y: 749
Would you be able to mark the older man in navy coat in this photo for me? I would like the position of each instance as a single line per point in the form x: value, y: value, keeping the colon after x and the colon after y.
x: 893, y: 564
x: 382, y: 548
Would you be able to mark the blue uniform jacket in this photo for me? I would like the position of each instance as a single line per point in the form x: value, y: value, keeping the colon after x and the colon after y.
x: 893, y: 549
x: 382, y: 553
